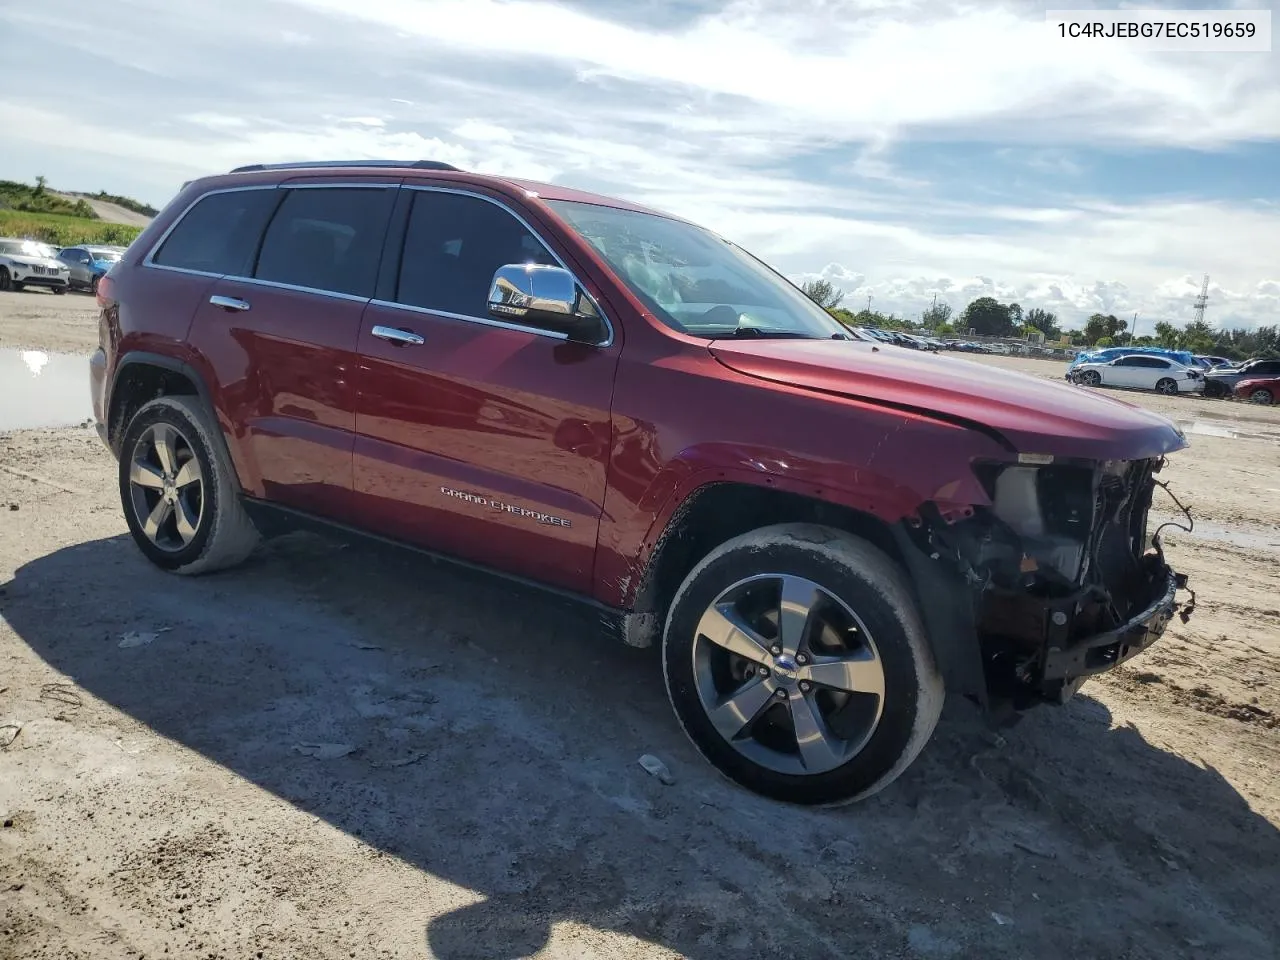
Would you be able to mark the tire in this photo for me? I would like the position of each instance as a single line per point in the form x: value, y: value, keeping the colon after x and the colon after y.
x: 1262, y: 395
x: 1167, y: 386
x: 217, y: 532
x: 6, y: 281
x: 59, y: 290
x: 1215, y: 390
x: 1091, y: 378
x: 867, y: 740
x: 18, y: 287
x: 93, y: 285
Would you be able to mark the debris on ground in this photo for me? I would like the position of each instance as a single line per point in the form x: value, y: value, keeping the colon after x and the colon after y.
x: 657, y: 768
x: 135, y: 638
x: 325, y: 751
x: 9, y: 733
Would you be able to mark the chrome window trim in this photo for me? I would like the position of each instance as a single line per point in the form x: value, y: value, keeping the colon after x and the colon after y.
x: 277, y: 285
x: 426, y: 188
x: 483, y: 321
x: 343, y: 185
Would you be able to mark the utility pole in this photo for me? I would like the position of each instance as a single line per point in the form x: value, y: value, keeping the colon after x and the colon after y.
x: 1202, y: 301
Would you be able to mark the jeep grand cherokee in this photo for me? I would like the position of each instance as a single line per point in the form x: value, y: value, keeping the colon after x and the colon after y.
x: 822, y: 533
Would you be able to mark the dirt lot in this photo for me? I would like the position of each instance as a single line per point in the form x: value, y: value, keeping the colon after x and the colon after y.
x: 160, y: 797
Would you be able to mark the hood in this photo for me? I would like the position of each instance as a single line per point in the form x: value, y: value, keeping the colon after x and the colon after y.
x: 1034, y: 415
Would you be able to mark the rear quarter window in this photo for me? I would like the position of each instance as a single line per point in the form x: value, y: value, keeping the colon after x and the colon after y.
x: 220, y: 234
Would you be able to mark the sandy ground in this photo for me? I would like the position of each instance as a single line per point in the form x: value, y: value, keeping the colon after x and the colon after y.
x: 159, y: 798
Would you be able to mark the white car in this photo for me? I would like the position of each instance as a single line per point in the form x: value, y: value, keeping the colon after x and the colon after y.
x: 1140, y: 371
x: 29, y: 263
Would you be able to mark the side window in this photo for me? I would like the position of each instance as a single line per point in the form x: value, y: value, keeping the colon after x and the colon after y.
x: 453, y: 245
x: 1155, y: 363
x: 1128, y: 362
x: 71, y: 255
x: 1268, y: 367
x: 220, y: 233
x: 327, y: 238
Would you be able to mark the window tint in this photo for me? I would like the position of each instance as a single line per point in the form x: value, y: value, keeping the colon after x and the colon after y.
x: 1266, y: 366
x: 220, y: 233
x: 1127, y: 362
x: 1154, y: 362
x: 327, y: 239
x: 71, y: 255
x: 452, y: 247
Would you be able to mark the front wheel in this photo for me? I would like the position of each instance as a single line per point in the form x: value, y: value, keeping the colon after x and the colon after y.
x: 59, y: 290
x: 6, y: 280
x: 796, y: 661
x: 1167, y: 385
x: 178, y: 491
x: 1091, y: 378
x: 1263, y: 396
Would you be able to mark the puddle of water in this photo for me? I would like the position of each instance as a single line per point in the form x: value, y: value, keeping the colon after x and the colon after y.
x: 1228, y: 429
x: 39, y: 389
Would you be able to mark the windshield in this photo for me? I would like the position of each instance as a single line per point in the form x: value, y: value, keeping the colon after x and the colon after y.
x: 695, y: 282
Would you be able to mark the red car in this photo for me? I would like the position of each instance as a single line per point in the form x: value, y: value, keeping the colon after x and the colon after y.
x: 823, y: 534
x: 1258, y: 389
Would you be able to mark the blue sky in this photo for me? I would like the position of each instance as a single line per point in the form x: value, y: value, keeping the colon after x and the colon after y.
x: 900, y: 149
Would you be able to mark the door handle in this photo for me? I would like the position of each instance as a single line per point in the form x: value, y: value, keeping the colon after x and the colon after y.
x: 397, y: 336
x: 229, y: 303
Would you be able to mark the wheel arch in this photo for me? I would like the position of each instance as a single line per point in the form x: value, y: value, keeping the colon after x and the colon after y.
x: 721, y: 510
x: 141, y: 376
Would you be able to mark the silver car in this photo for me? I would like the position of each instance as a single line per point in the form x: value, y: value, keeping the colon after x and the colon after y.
x: 88, y: 262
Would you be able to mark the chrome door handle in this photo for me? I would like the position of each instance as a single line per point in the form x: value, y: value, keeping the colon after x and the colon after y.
x: 398, y: 336
x: 229, y: 303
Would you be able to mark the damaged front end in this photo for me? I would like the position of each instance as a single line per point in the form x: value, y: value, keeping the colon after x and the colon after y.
x: 1058, y: 577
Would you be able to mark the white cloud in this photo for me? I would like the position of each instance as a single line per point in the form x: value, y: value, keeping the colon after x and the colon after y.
x: 781, y: 125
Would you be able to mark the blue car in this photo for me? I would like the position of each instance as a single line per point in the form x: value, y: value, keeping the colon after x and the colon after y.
x: 88, y: 263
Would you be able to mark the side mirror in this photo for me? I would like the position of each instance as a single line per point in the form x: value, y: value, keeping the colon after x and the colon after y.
x: 543, y: 296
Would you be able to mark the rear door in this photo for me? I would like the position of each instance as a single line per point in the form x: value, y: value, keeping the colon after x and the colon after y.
x: 481, y: 439
x: 281, y: 335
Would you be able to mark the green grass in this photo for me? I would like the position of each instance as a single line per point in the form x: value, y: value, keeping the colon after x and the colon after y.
x: 39, y: 199
x: 64, y: 231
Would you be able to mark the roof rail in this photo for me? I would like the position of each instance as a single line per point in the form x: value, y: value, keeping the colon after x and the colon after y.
x: 301, y: 164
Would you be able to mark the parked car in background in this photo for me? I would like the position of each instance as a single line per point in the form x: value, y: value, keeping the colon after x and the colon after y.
x: 1184, y: 357
x: 29, y: 263
x: 1212, y: 362
x: 496, y: 371
x: 1222, y: 381
x: 1139, y: 372
x: 88, y: 263
x: 1264, y: 390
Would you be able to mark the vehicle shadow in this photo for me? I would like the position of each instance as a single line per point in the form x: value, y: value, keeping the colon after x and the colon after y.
x: 497, y: 737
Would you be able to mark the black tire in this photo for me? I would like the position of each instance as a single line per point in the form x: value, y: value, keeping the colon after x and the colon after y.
x: 93, y: 285
x: 1091, y: 378
x: 6, y: 281
x: 1215, y: 390
x: 59, y: 290
x: 867, y: 583
x: 18, y: 287
x: 223, y: 533
x: 1167, y: 385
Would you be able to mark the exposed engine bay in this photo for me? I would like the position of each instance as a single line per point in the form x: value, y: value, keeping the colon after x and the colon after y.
x: 1064, y: 579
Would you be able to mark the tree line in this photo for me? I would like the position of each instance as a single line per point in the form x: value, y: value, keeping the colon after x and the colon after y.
x: 987, y: 316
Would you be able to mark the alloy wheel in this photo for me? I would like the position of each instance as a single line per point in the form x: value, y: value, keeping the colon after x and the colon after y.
x: 166, y: 487
x: 1261, y: 396
x: 788, y: 674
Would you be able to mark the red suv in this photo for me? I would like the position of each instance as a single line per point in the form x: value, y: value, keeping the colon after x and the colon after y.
x: 606, y: 401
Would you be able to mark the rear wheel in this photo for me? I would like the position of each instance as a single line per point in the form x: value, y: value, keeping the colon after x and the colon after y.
x: 1167, y: 385
x: 1262, y: 395
x: 178, y: 492
x: 797, y: 663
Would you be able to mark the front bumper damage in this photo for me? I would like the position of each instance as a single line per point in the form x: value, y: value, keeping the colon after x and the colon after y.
x: 1058, y: 580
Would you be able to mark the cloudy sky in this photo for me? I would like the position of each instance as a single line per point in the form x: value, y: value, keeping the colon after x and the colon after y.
x: 900, y: 149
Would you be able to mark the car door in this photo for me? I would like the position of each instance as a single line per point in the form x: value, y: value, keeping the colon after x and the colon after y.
x: 1118, y: 372
x: 76, y: 259
x: 281, y: 335
x: 478, y: 438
